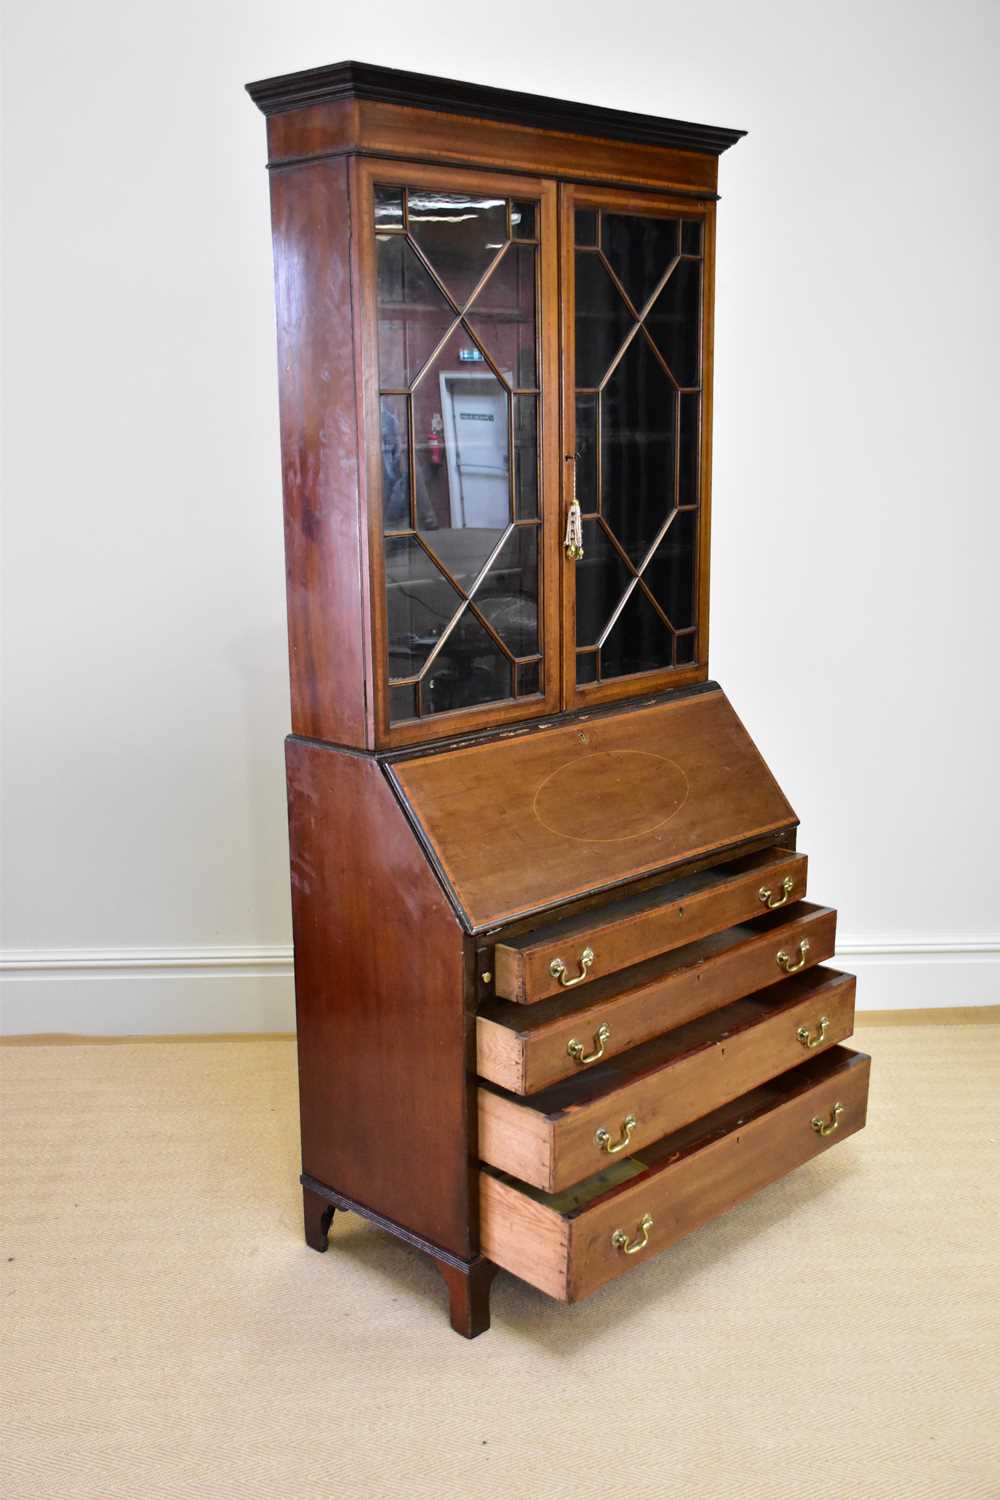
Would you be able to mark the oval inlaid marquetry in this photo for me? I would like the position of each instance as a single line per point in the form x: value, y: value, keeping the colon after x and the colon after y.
x: 610, y: 795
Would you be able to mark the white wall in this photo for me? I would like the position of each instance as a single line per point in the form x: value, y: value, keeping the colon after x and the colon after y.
x: 855, y: 621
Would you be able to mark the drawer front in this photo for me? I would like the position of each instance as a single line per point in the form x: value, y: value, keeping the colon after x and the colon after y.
x: 573, y: 1130
x: 524, y: 1050
x: 575, y: 952
x: 571, y: 1249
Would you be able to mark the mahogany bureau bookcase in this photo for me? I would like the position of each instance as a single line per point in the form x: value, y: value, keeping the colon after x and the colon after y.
x: 560, y: 999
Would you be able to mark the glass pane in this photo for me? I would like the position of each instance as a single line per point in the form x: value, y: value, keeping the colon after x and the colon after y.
x: 585, y: 230
x: 670, y: 573
x: 420, y: 603
x: 470, y: 669
x: 639, y: 641
x: 413, y: 316
x: 508, y: 595
x: 529, y: 679
x: 637, y: 449
x: 395, y: 464
x: 462, y: 460
x: 388, y: 207
x: 522, y: 220
x: 690, y: 236
x: 685, y: 648
x: 526, y: 457
x: 602, y: 319
x: 503, y: 315
x: 639, y: 251
x: 675, y: 323
x: 586, y: 667
x: 403, y: 702
x: 460, y: 234
x: 586, y: 452
x: 690, y: 445
x: 601, y: 580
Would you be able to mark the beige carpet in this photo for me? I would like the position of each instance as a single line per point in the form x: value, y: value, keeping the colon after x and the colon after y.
x: 167, y: 1333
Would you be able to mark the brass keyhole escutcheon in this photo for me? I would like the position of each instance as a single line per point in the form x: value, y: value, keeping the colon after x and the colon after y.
x: 559, y: 971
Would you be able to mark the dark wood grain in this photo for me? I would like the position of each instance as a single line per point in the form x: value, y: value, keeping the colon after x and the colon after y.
x: 380, y: 982
x: 319, y: 453
x: 469, y: 1294
x: 540, y: 819
x: 538, y: 112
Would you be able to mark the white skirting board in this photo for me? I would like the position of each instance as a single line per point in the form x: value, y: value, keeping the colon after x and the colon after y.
x: 178, y: 991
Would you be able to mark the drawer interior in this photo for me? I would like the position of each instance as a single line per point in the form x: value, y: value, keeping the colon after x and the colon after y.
x: 570, y: 1243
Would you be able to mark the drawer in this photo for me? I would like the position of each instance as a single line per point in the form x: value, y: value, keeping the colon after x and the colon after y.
x: 570, y: 1130
x: 570, y: 1244
x: 583, y: 948
x: 526, y: 1048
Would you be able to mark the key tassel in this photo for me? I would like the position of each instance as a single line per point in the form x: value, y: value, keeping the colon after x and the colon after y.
x: 574, y: 532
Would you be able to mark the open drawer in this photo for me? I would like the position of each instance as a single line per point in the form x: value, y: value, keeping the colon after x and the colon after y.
x: 569, y: 1131
x: 527, y: 1048
x: 570, y: 1244
x: 581, y: 949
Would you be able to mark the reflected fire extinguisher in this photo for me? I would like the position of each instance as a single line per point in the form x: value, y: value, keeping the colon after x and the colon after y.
x: 435, y: 441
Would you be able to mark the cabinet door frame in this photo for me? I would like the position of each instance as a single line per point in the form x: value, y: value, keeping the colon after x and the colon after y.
x: 365, y: 172
x: 571, y: 197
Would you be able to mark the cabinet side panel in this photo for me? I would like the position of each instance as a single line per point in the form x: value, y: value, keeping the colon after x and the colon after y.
x: 311, y: 226
x: 384, y: 1034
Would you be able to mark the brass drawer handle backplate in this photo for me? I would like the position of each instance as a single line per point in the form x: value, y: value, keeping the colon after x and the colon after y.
x: 620, y: 1239
x: 788, y: 963
x: 827, y: 1127
x: 575, y: 1048
x: 768, y: 897
x: 603, y: 1137
x: 558, y: 969
x: 813, y: 1041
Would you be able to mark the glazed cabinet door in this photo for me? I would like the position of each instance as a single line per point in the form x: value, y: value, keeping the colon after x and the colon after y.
x: 636, y: 330
x: 458, y: 343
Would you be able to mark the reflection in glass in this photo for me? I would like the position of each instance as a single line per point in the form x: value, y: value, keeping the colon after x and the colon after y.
x: 420, y: 604
x: 674, y: 322
x: 503, y: 316
x: 460, y: 234
x: 388, y: 207
x: 585, y: 226
x: 637, y: 449
x: 526, y: 457
x: 638, y: 642
x: 395, y: 439
x: 403, y: 702
x: 522, y: 220
x: 471, y: 668
x: 586, y: 667
x: 413, y: 315
x: 529, y: 679
x: 690, y: 236
x: 690, y: 446
x: 670, y: 571
x: 685, y: 648
x: 639, y: 251
x: 602, y: 320
x: 601, y: 580
x: 586, y: 452
x: 462, y: 581
x: 508, y: 595
x: 649, y: 440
